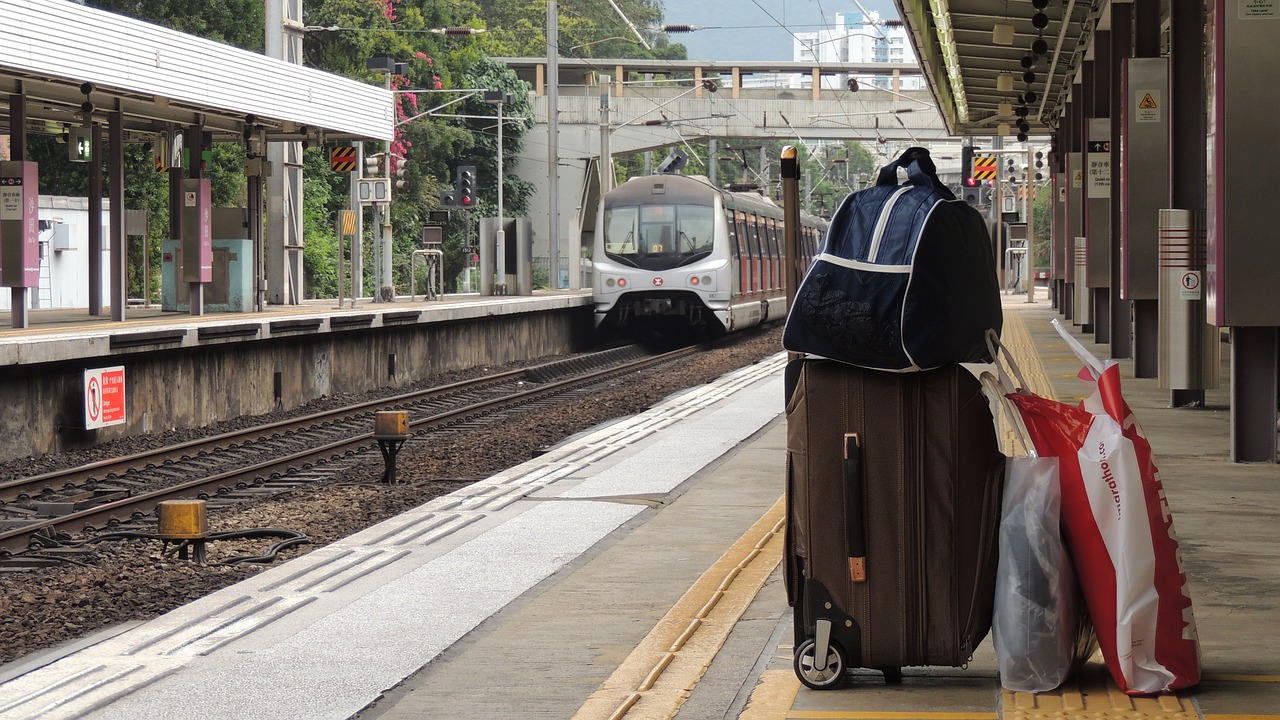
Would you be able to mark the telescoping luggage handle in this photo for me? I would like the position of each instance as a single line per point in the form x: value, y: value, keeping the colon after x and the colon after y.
x: 921, y: 171
x: 855, y: 537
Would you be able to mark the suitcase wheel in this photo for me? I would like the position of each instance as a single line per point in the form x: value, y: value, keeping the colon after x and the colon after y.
x: 828, y: 677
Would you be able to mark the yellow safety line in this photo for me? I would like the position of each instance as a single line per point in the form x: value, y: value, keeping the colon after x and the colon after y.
x: 888, y: 715
x: 1215, y: 677
x: 657, y: 677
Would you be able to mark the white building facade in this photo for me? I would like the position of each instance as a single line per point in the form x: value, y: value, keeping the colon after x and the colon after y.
x: 873, y: 40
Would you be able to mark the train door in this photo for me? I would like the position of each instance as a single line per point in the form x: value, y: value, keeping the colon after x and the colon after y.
x: 757, y: 256
x: 736, y: 251
x: 744, y: 252
x: 775, y: 254
x: 780, y: 237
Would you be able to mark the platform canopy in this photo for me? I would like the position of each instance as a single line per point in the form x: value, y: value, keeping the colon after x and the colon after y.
x: 956, y: 44
x: 51, y: 51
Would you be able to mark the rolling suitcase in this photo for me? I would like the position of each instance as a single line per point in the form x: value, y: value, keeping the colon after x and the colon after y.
x: 893, y: 507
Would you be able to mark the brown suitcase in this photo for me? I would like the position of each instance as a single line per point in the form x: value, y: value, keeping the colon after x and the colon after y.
x: 893, y: 505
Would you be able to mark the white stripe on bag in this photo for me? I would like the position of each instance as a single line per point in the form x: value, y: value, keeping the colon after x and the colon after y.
x: 860, y: 265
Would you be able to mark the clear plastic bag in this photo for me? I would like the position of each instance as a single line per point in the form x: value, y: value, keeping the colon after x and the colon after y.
x: 1035, y: 624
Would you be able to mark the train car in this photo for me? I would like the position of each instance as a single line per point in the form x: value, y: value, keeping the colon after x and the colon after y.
x: 675, y: 253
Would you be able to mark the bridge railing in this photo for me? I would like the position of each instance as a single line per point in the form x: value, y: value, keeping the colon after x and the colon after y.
x: 787, y: 80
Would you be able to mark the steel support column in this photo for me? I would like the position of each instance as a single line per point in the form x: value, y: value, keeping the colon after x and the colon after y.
x: 95, y: 218
x: 119, y: 240
x: 1121, y: 48
x: 1098, y: 189
x: 18, y: 313
x: 1186, y: 118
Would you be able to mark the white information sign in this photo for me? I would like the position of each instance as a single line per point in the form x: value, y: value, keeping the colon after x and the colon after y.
x: 1190, y: 289
x: 1258, y: 9
x: 1099, y: 159
x: 11, y: 199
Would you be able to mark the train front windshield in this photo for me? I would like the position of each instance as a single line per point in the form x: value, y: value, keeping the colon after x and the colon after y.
x: 658, y: 237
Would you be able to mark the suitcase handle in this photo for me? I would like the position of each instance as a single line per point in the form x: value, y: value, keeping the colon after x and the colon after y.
x: 854, y: 514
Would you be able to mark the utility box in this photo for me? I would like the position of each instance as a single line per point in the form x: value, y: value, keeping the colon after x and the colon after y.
x: 1188, y: 345
x: 231, y: 287
x: 1082, y: 302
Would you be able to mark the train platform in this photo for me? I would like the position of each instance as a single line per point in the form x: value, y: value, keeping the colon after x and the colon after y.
x: 634, y: 572
x: 53, y: 335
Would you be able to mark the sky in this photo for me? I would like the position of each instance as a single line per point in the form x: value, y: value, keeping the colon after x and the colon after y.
x: 758, y: 29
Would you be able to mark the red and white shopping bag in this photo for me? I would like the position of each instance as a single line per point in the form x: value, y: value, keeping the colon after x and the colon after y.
x: 1118, y: 530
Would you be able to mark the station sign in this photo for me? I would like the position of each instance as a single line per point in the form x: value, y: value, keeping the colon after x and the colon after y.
x: 19, y: 224
x: 104, y: 397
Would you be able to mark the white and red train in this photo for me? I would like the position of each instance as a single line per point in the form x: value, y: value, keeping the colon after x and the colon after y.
x: 674, y: 252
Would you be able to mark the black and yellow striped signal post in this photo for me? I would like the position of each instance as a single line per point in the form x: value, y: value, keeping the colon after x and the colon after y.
x: 342, y: 159
x: 346, y: 229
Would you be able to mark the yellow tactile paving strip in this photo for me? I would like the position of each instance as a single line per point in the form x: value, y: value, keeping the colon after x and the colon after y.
x: 1095, y: 698
x: 657, y: 677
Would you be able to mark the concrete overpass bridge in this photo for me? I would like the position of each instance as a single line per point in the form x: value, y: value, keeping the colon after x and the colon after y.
x: 658, y: 104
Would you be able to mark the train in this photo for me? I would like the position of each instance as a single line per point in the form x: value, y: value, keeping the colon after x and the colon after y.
x: 676, y: 254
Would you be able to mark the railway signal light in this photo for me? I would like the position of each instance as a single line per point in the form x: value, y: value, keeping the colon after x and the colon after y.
x: 466, y: 192
x: 966, y: 166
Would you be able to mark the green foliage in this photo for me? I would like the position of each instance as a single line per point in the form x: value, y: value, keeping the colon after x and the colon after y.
x: 1043, y: 225
x: 319, y: 235
x: 235, y: 22
x: 431, y: 147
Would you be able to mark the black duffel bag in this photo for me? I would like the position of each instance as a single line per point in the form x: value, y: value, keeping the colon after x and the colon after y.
x: 905, y: 279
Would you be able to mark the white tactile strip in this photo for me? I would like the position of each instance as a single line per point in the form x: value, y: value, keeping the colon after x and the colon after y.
x: 323, y: 635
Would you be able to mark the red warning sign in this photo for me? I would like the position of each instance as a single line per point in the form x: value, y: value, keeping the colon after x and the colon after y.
x: 104, y: 397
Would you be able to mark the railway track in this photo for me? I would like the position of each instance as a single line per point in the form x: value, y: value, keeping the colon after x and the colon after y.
x: 274, y: 458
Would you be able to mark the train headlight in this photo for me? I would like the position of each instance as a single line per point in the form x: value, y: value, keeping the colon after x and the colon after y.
x: 700, y: 281
x: 615, y: 282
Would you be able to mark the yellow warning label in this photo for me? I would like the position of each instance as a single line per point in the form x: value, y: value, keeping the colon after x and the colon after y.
x: 1148, y: 102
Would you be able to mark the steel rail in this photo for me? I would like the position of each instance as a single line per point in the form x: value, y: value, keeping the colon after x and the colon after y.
x: 15, y: 541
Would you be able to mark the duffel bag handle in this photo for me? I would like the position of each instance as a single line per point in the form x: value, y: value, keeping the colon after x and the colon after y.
x: 921, y: 171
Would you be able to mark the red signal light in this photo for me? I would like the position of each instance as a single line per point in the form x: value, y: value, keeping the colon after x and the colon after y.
x: 971, y: 181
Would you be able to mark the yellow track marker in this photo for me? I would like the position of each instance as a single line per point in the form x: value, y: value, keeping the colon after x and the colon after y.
x: 657, y: 677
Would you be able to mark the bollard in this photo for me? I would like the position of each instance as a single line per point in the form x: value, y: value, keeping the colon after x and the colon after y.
x: 185, y: 521
x: 391, y: 430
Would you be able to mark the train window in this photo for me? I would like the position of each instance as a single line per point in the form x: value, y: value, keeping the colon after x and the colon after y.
x: 753, y: 235
x: 696, y: 229
x: 657, y: 229
x: 620, y: 230
x: 659, y: 237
